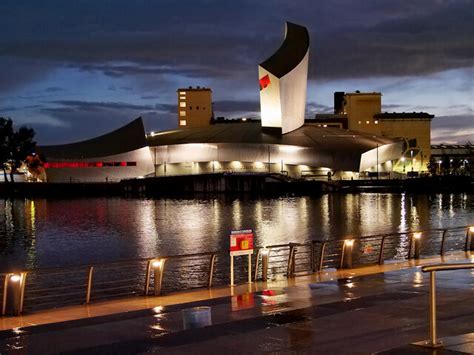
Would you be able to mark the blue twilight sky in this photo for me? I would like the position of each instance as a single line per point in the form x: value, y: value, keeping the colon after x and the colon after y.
x: 80, y: 68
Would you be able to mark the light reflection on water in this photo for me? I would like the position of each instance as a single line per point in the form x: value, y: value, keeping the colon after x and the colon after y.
x: 40, y: 232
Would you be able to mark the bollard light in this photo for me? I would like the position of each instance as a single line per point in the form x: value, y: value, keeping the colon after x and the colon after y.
x: 15, y: 278
x: 349, y: 242
x: 156, y: 264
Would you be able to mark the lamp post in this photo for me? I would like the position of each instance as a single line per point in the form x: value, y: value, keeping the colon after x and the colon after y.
x: 411, y: 154
x: 403, y: 160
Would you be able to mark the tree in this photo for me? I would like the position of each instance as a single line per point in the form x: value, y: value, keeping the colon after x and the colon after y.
x: 6, y: 133
x: 16, y: 145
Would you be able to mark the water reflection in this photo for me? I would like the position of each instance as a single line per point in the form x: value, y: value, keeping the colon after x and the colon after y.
x: 60, y: 232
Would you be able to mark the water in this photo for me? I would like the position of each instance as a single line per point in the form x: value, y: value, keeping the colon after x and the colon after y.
x: 55, y: 232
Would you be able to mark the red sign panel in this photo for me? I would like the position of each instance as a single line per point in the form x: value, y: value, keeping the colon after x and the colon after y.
x: 264, y: 82
x: 241, y: 242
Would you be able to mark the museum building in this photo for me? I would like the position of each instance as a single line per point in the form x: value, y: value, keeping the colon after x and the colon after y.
x: 357, y: 140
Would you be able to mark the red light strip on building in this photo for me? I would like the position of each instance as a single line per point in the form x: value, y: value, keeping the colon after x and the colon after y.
x: 84, y: 164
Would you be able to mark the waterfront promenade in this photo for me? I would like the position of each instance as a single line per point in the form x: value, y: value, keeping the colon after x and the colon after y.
x: 353, y: 311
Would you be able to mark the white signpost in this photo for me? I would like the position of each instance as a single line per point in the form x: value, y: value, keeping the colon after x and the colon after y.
x: 241, y: 243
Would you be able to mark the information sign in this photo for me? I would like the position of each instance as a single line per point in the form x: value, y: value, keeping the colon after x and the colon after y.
x: 241, y: 242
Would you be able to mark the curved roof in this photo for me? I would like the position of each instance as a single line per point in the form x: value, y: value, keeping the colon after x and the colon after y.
x: 127, y: 138
x: 331, y: 140
x: 291, y: 53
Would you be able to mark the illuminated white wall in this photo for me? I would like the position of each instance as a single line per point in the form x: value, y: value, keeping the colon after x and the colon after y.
x: 143, y: 157
x: 381, y: 155
x: 293, y: 96
x: 283, y: 101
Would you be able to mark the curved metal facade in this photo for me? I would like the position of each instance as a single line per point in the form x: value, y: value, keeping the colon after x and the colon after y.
x: 283, y: 81
x: 120, y: 154
x: 310, y: 146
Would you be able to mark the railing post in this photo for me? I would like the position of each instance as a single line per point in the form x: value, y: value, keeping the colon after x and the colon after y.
x: 89, y: 284
x: 158, y: 266
x: 257, y: 262
x: 22, y: 291
x: 433, y: 335
x: 265, y: 254
x: 469, y: 240
x: 415, y: 240
x: 147, y: 277
x: 321, y: 256
x: 211, y: 270
x: 381, y: 252
x: 5, y: 293
x: 313, y: 257
x: 441, y: 251
x: 290, y: 270
x: 16, y: 283
x: 346, y: 255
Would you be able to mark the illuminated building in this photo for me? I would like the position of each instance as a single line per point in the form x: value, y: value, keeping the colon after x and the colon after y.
x: 362, y: 112
x: 194, y: 107
x: 283, y: 79
x: 357, y: 141
x: 121, y: 154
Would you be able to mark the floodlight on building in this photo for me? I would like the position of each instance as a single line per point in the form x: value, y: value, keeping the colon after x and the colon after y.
x: 471, y: 229
x: 289, y: 148
x: 259, y: 164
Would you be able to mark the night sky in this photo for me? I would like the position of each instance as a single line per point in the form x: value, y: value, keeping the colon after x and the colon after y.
x: 76, y: 69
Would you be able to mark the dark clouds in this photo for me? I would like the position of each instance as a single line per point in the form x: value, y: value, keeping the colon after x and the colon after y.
x: 87, y: 119
x: 150, y: 48
x: 211, y: 38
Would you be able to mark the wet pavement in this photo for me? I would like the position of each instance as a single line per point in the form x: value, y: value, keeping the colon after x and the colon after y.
x: 359, y: 314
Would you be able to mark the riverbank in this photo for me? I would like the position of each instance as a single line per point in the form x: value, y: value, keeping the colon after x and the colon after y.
x: 317, y: 311
x: 255, y: 184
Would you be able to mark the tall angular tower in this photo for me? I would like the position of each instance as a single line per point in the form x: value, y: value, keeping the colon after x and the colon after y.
x: 283, y: 80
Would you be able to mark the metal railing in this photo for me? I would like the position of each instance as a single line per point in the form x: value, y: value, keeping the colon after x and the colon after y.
x: 433, y: 342
x: 59, y: 286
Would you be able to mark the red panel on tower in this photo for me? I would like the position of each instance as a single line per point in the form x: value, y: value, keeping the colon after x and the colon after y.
x: 264, y: 82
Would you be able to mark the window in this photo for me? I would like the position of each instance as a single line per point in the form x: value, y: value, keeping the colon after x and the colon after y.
x: 182, y: 104
x: 182, y: 122
x: 182, y: 113
x: 376, y: 122
x: 360, y: 122
x: 367, y: 122
x: 197, y: 107
x: 182, y: 97
x: 190, y: 107
x: 182, y: 93
x: 203, y: 108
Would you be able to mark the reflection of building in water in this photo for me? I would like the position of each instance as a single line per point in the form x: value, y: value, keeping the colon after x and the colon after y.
x: 19, y: 230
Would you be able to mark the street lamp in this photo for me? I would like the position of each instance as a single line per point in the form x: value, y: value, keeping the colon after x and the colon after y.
x: 403, y: 160
x: 411, y: 154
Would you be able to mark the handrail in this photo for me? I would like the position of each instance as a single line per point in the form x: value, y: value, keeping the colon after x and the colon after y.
x: 447, y: 267
x: 316, y: 253
x: 119, y: 262
x: 433, y: 342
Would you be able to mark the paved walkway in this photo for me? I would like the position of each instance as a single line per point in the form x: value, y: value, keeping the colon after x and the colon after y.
x: 357, y: 311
